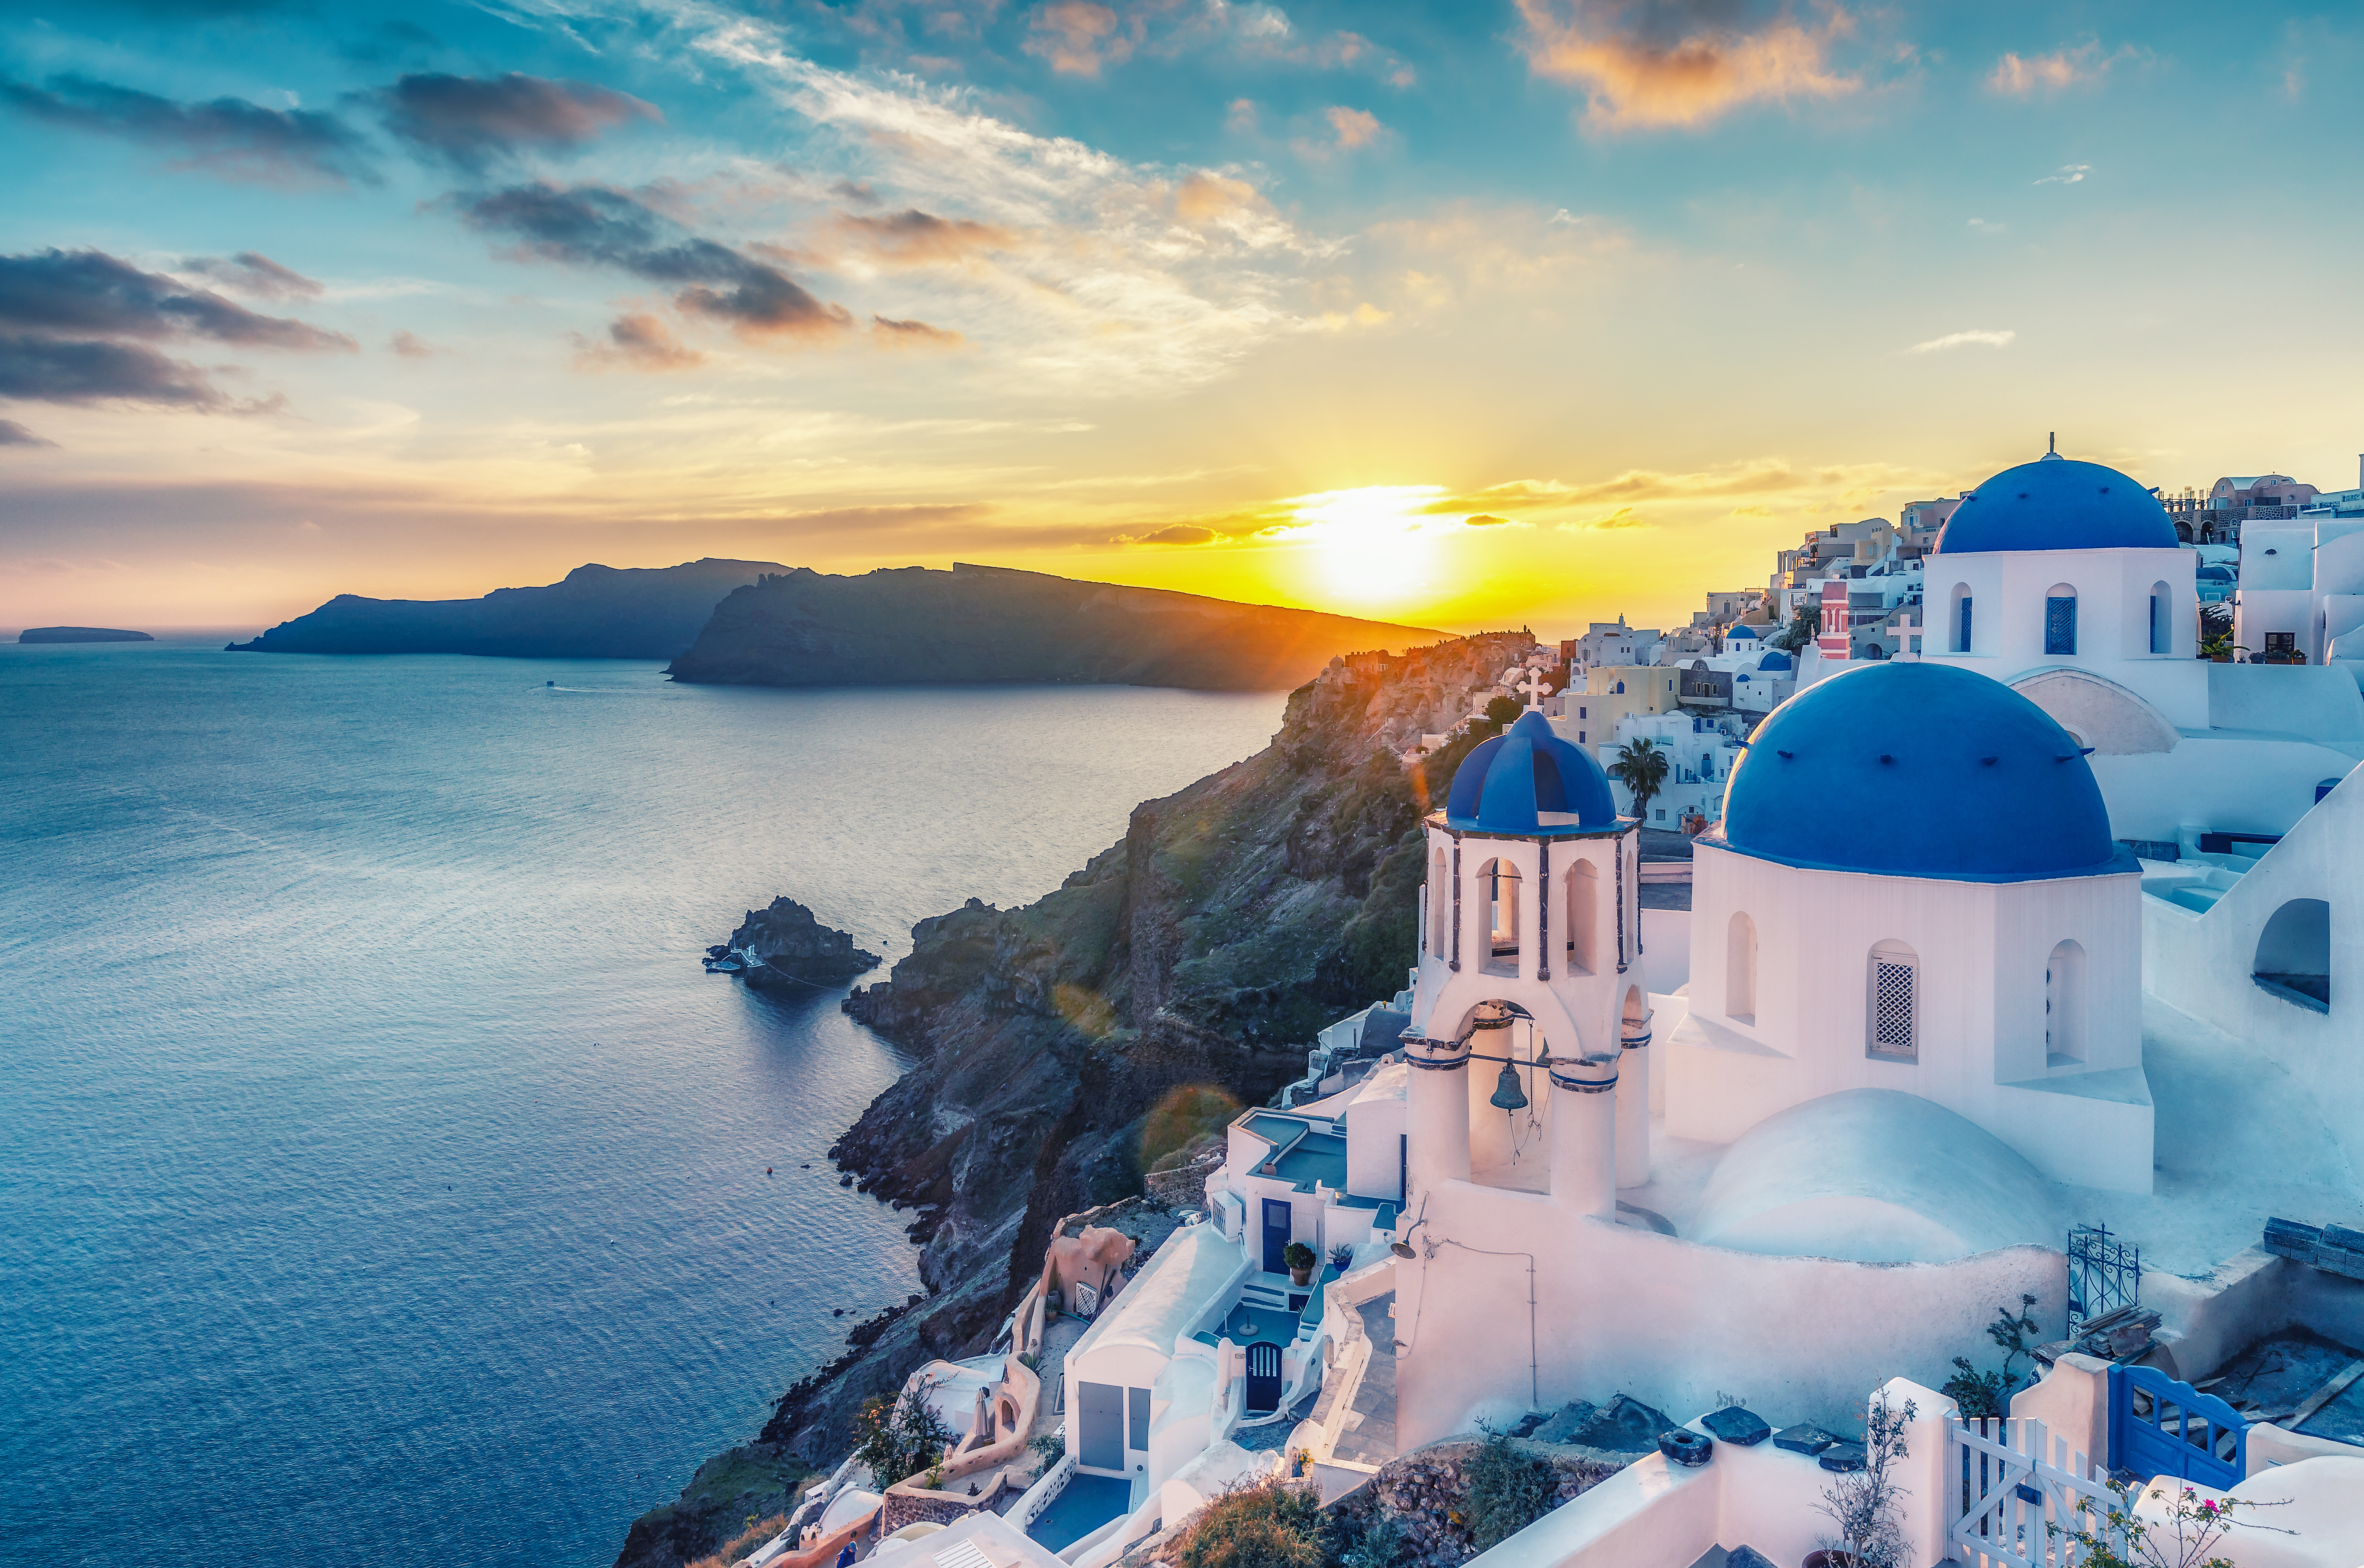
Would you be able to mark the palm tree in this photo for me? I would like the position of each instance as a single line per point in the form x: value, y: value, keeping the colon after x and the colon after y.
x: 1642, y: 768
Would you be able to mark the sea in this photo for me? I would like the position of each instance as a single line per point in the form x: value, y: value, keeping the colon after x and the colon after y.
x: 382, y: 1178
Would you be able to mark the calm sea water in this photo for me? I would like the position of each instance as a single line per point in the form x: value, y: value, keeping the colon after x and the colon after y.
x: 381, y: 1178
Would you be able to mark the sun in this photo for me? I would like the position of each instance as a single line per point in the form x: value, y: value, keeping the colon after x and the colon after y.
x: 1374, y: 545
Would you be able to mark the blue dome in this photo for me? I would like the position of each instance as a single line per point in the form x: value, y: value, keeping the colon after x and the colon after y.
x: 1917, y: 770
x: 2058, y: 503
x: 1777, y: 660
x: 1504, y: 783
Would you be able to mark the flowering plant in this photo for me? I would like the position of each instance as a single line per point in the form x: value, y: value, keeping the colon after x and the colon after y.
x: 2119, y: 1538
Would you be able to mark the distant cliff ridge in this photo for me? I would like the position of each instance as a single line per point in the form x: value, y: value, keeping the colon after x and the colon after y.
x: 598, y: 611
x: 79, y: 634
x: 911, y: 625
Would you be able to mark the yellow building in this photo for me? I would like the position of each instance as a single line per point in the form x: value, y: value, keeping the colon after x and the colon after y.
x: 1610, y: 692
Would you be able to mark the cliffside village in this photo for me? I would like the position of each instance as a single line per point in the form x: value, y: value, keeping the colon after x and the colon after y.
x: 1941, y: 1102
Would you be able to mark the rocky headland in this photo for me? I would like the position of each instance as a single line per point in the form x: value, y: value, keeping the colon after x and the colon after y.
x: 791, y: 947
x: 596, y: 612
x: 972, y: 625
x: 81, y: 634
x: 1073, y: 1044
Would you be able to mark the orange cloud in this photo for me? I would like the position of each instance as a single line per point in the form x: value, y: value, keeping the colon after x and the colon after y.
x: 1646, y: 65
x: 915, y: 239
x: 1355, y: 127
x: 889, y: 333
x: 2018, y: 75
x: 636, y: 340
x: 1078, y: 37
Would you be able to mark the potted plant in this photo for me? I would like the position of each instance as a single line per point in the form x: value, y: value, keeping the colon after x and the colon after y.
x: 1299, y: 1259
x: 1341, y: 1257
x: 1867, y: 1504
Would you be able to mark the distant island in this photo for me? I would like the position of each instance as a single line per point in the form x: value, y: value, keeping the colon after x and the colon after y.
x: 914, y: 626
x: 597, y: 612
x: 81, y: 634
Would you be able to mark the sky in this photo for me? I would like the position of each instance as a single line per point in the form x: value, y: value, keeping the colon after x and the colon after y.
x: 1500, y: 313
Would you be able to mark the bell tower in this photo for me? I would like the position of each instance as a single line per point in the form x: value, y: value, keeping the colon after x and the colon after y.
x: 1529, y: 1006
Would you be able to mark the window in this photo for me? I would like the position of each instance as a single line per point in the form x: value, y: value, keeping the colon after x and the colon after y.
x: 1579, y: 710
x: 1659, y: 813
x: 2060, y: 620
x: 1440, y: 907
x: 2064, y: 1005
x: 1961, y: 618
x: 2154, y: 623
x: 2281, y: 644
x: 1740, y: 969
x: 1892, y: 1005
x: 1498, y: 888
x: 1583, y: 916
x: 1136, y: 1419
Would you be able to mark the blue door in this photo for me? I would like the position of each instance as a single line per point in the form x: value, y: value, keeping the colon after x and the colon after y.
x: 1276, y: 1235
x: 2060, y: 626
x: 1099, y: 1425
x: 1263, y: 1378
x: 2160, y: 1427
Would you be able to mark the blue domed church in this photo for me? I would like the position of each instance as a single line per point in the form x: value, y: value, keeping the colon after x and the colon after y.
x: 1915, y: 889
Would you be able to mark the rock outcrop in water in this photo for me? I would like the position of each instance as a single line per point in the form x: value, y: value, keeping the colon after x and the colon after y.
x: 79, y: 634
x: 597, y: 612
x: 1232, y: 921
x: 910, y: 625
x: 795, y: 947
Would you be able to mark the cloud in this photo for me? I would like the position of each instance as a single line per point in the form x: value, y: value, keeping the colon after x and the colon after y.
x: 253, y: 273
x: 2067, y: 175
x: 1484, y: 520
x: 1079, y: 36
x: 49, y: 369
x: 1980, y: 226
x: 889, y: 333
x: 12, y: 434
x: 1960, y: 339
x: 1355, y: 127
x: 1622, y: 518
x: 1647, y: 65
x: 1179, y: 533
x: 228, y: 136
x: 64, y: 293
x: 2018, y: 75
x: 411, y: 346
x: 914, y: 239
x: 472, y: 121
x: 599, y: 226
x: 1240, y: 116
x: 636, y: 340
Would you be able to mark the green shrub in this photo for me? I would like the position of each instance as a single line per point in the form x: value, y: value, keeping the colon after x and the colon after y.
x: 1050, y: 1448
x: 1380, y: 1543
x: 1508, y: 1491
x: 1266, y: 1524
x: 1504, y: 710
x: 898, y: 1440
x: 1297, y: 1255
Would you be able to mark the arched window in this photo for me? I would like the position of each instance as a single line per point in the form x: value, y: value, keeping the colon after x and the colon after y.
x: 2060, y: 619
x: 1440, y: 907
x: 2294, y: 954
x: 1740, y: 969
x: 1498, y: 890
x: 1583, y: 916
x: 1958, y: 618
x: 2064, y: 1005
x: 1892, y: 1011
x: 2162, y: 618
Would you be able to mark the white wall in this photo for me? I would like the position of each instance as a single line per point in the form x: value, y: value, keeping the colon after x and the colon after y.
x: 1669, y: 1322
x: 2008, y: 589
x: 1982, y: 949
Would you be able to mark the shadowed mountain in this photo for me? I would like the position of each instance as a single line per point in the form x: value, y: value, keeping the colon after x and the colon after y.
x: 598, y: 611
x: 79, y: 634
x: 911, y: 625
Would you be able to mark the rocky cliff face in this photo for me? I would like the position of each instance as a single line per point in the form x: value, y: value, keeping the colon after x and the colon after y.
x: 795, y: 947
x: 1206, y: 949
x: 911, y: 625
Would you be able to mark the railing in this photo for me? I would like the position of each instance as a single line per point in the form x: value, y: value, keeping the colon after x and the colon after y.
x: 2015, y: 1493
x: 2104, y: 1276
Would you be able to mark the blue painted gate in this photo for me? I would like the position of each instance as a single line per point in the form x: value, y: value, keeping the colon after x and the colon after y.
x: 2160, y: 1427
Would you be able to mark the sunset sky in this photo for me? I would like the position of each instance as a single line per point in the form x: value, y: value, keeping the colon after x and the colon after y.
x: 1464, y: 315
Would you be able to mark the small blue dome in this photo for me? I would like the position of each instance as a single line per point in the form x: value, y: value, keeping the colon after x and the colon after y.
x: 1505, y: 782
x: 2058, y: 503
x: 1917, y: 770
x: 1777, y: 660
x: 1743, y: 632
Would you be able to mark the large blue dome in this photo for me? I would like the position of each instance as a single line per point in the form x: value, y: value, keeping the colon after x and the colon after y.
x: 1508, y: 783
x: 1917, y: 770
x: 2058, y: 503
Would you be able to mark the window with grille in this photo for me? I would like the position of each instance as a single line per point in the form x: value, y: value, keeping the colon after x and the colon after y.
x: 1894, y: 971
x: 2061, y: 623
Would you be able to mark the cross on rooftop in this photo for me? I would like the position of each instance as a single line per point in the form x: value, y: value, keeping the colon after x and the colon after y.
x: 1908, y: 636
x: 1534, y: 686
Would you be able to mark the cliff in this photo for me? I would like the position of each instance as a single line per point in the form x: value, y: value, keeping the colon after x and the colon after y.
x: 79, y: 634
x: 912, y: 625
x: 597, y: 612
x: 795, y: 947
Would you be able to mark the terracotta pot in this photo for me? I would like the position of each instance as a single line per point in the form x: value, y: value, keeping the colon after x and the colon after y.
x: 1300, y: 1276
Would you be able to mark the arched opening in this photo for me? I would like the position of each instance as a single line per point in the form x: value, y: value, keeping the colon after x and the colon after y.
x: 2294, y: 954
x: 1440, y: 906
x: 1740, y: 969
x: 1498, y: 893
x: 1891, y: 1002
x: 1583, y: 916
x: 2064, y: 1005
x: 2162, y: 618
x: 2060, y: 619
x: 1957, y: 618
x: 1510, y: 1099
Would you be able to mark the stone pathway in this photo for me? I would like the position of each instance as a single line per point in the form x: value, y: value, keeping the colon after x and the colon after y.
x: 1368, y: 1435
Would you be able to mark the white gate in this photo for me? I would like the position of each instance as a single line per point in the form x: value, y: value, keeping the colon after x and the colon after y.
x: 2007, y: 1481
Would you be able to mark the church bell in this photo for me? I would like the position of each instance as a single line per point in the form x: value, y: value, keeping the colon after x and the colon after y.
x: 1507, y: 1092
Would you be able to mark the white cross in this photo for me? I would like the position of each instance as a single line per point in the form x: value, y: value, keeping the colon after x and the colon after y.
x: 1534, y: 686
x: 1908, y: 636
